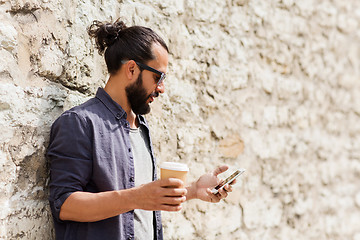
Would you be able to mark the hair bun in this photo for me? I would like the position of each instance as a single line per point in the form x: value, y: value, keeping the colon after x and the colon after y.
x: 105, y: 33
x: 119, y: 25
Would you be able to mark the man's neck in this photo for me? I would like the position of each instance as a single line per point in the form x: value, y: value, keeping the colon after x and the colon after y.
x: 133, y: 120
x: 118, y: 94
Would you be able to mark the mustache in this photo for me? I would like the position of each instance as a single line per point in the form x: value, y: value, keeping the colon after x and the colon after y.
x: 154, y: 94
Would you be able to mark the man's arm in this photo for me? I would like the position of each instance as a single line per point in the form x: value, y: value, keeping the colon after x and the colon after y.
x: 70, y: 155
x: 91, y: 207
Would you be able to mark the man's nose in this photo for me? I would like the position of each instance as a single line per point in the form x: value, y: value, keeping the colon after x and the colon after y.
x: 160, y: 88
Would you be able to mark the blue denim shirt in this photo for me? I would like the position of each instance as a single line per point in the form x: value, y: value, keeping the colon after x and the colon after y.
x: 90, y: 151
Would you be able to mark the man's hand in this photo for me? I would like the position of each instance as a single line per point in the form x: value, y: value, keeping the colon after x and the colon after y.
x: 164, y: 195
x: 201, y: 189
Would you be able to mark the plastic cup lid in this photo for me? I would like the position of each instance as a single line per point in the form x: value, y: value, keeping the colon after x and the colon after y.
x: 174, y: 166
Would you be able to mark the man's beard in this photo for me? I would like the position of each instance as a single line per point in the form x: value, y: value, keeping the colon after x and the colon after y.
x: 138, y: 96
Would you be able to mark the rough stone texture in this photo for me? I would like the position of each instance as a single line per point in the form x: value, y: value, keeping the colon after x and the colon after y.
x: 271, y: 86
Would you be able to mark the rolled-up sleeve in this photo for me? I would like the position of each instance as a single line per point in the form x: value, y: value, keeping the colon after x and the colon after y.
x: 70, y: 157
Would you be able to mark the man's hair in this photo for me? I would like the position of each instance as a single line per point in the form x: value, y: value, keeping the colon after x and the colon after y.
x: 119, y: 42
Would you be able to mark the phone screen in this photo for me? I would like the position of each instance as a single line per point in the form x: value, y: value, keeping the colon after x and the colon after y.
x: 228, y: 180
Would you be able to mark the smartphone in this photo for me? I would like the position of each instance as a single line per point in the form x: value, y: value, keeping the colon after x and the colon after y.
x: 228, y: 180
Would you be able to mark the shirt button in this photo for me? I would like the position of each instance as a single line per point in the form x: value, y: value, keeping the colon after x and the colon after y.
x: 129, y: 149
x: 118, y: 116
x: 131, y: 179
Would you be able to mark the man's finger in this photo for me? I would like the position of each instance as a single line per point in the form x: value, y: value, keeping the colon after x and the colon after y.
x: 216, y: 198
x: 220, y: 169
x: 171, y: 192
x: 223, y: 193
x: 171, y: 182
x: 233, y: 182
x: 228, y: 188
x: 173, y: 200
x: 170, y: 208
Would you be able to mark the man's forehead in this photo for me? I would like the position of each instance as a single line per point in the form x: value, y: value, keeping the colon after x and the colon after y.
x: 161, y: 57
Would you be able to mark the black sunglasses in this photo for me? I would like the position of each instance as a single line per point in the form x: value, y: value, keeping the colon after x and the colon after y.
x: 146, y: 67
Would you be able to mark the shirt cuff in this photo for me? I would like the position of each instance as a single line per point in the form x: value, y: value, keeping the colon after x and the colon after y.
x: 56, y: 205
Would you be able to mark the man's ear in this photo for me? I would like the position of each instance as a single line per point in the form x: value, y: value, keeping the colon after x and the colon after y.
x: 130, y: 69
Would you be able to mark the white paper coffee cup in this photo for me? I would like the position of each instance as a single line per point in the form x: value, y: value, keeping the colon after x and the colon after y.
x: 173, y: 170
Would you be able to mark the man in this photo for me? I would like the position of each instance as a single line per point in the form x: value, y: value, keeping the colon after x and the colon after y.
x: 103, y: 172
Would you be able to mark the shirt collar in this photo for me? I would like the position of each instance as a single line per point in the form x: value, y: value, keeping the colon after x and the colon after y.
x: 114, y: 107
x: 142, y: 120
x: 110, y: 104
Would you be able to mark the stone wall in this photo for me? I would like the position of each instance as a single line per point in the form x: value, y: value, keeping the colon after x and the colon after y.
x: 270, y: 86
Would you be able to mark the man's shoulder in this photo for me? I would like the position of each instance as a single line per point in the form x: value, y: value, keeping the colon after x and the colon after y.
x: 93, y: 104
x: 86, y: 111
